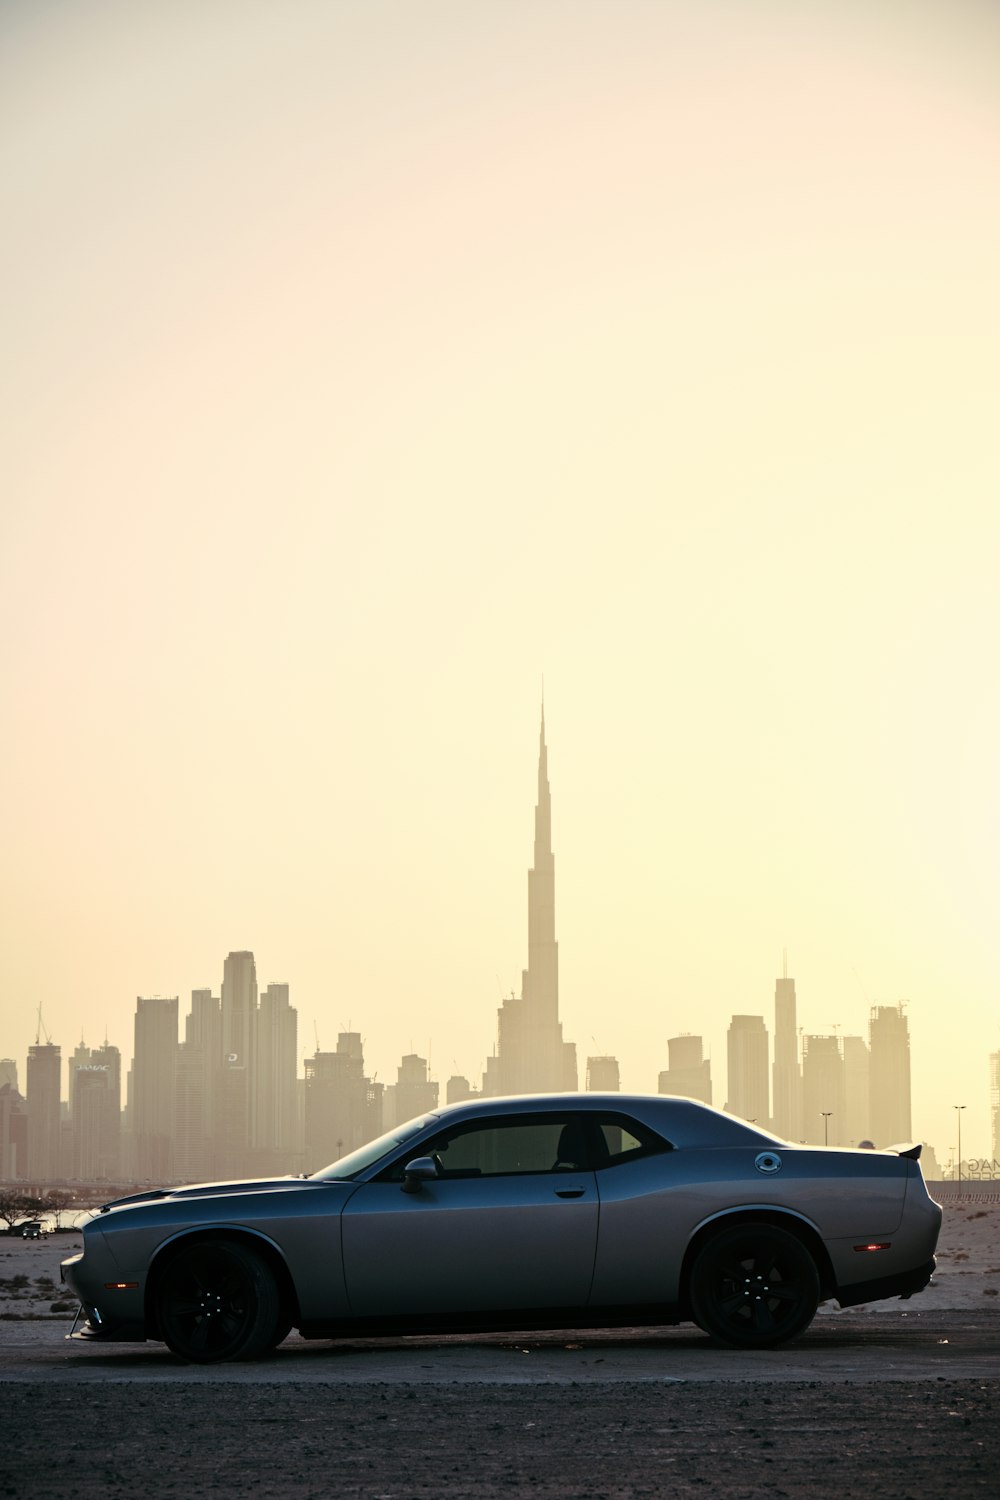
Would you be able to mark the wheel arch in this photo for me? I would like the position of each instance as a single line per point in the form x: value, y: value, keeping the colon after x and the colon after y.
x: 807, y: 1234
x: 249, y: 1239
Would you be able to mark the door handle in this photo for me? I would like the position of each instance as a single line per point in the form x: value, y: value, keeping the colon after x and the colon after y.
x: 570, y: 1192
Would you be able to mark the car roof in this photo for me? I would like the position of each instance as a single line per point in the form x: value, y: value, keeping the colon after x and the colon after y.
x: 684, y: 1122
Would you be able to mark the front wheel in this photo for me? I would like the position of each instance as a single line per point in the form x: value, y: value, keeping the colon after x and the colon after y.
x: 753, y: 1286
x: 217, y: 1301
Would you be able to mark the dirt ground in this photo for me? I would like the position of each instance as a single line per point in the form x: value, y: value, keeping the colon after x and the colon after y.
x: 723, y: 1441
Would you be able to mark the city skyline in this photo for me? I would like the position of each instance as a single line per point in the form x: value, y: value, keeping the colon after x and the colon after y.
x: 649, y: 347
x: 227, y: 1099
x: 195, y: 1112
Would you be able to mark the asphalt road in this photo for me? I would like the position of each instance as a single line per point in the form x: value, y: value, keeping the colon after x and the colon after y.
x: 899, y: 1405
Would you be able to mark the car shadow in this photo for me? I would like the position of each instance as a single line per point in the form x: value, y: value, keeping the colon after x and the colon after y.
x: 901, y: 1331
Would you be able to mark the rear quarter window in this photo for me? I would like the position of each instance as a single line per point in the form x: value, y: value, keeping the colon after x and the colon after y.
x: 618, y: 1139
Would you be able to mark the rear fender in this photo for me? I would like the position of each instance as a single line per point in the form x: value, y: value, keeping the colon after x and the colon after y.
x: 764, y: 1213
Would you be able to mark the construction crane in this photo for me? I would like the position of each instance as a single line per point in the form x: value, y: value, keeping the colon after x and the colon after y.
x: 40, y: 1030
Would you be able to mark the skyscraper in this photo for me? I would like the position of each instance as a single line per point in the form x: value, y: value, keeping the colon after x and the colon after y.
x: 531, y: 1056
x: 234, y: 1085
x: 823, y: 1092
x: 458, y: 1089
x: 44, y: 1072
x: 273, y: 1111
x: 13, y: 1134
x: 154, y: 1082
x: 78, y: 1058
x: 746, y: 1045
x: 603, y: 1075
x: 343, y: 1108
x: 857, y: 1124
x: 889, y: 1075
x: 689, y: 1072
x: 414, y: 1092
x: 199, y: 1063
x: 995, y: 1106
x: 786, y: 1074
x: 95, y: 1125
x: 239, y: 1007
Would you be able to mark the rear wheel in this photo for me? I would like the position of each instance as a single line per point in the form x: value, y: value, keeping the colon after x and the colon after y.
x: 754, y: 1286
x: 218, y: 1301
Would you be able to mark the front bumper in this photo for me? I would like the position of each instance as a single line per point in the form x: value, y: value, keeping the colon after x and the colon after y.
x: 111, y: 1311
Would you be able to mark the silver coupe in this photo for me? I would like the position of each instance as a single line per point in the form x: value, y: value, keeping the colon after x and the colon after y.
x: 548, y: 1211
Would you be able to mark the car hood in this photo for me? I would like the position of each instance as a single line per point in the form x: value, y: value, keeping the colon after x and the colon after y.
x: 210, y: 1190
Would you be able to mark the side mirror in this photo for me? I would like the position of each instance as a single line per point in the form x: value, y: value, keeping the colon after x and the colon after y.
x: 422, y: 1169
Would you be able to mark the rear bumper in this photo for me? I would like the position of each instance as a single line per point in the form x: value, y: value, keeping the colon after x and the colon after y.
x: 901, y: 1284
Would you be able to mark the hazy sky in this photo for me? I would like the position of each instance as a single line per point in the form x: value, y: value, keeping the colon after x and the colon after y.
x: 365, y: 361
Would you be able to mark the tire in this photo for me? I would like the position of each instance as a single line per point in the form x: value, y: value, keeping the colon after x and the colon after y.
x: 753, y: 1286
x: 217, y: 1301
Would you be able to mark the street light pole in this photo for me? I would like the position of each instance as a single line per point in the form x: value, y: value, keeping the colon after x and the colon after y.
x: 958, y: 1111
x: 826, y: 1113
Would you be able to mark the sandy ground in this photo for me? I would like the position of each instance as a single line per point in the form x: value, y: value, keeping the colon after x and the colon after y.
x: 968, y: 1256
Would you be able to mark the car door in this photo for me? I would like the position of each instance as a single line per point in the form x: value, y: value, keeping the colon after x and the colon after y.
x: 643, y: 1225
x: 510, y: 1222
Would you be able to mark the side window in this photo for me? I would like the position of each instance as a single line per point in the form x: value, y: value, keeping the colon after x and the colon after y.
x: 506, y: 1148
x: 618, y: 1139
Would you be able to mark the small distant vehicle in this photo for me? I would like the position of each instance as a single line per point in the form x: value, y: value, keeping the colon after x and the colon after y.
x: 545, y: 1211
x: 32, y: 1229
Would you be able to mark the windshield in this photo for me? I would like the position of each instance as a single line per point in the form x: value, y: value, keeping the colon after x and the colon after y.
x: 356, y: 1161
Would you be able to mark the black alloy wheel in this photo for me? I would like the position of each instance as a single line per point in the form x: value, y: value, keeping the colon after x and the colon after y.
x: 753, y: 1286
x: 217, y: 1300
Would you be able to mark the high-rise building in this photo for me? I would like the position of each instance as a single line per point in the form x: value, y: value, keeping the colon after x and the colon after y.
x: 689, y: 1072
x: 273, y: 1111
x: 13, y: 1134
x: 747, y: 1058
x: 889, y: 1075
x: 154, y: 1086
x: 785, y: 1073
x: 78, y: 1058
x: 458, y: 1089
x: 234, y: 1084
x: 531, y: 1055
x: 857, y: 1124
x: 44, y: 1074
x: 343, y: 1108
x: 823, y: 1095
x: 8, y: 1072
x: 239, y: 1007
x: 96, y: 1124
x: 411, y: 1095
x: 603, y: 1075
x: 199, y: 1062
x: 995, y: 1105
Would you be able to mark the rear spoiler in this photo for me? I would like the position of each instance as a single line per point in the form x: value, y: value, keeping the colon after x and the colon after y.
x: 910, y: 1149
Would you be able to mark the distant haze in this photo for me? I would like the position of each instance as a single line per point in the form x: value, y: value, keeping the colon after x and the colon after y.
x: 364, y: 363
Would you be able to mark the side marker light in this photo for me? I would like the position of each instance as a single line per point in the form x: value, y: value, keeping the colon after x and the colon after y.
x: 882, y: 1245
x: 127, y: 1286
